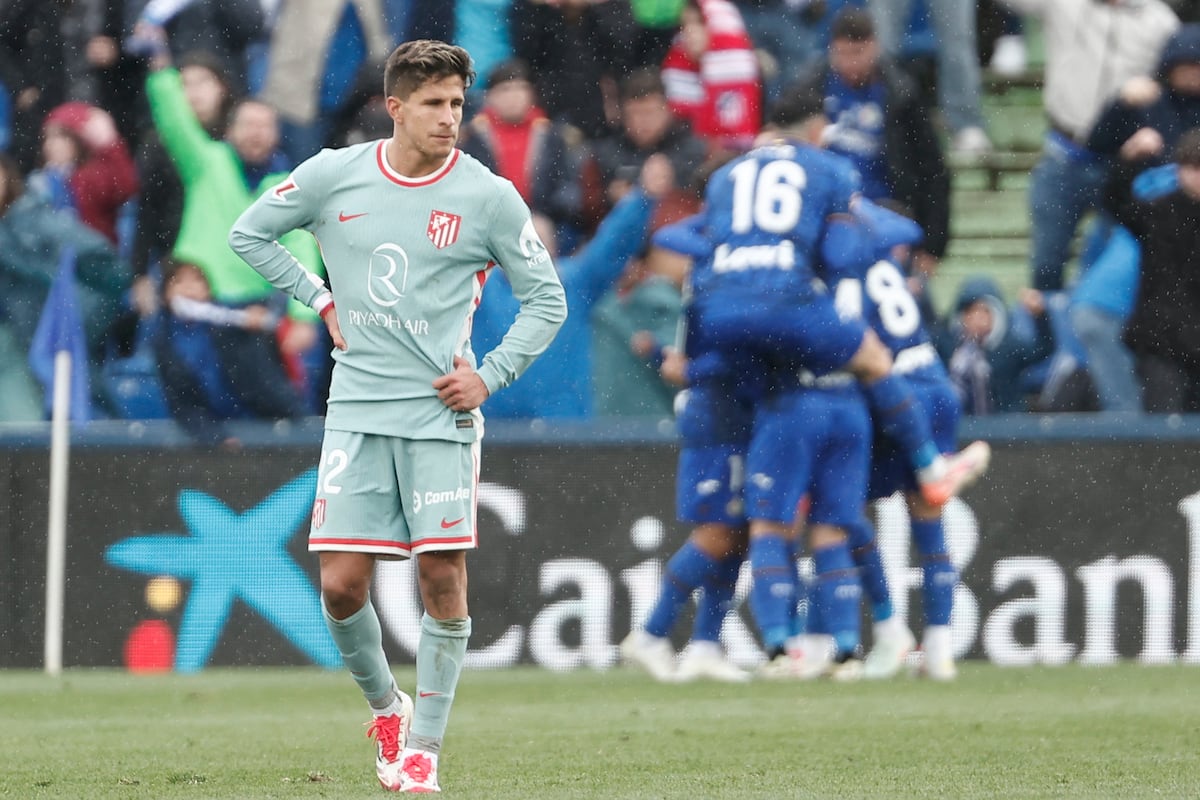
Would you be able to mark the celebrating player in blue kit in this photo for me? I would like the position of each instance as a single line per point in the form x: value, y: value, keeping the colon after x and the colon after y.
x: 714, y: 419
x: 759, y: 305
x: 409, y: 229
x: 759, y: 297
x: 880, y: 295
x: 882, y: 298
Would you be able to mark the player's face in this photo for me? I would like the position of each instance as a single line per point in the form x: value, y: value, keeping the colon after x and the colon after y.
x: 427, y: 121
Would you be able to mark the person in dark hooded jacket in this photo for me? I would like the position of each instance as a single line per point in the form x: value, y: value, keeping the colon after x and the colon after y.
x: 1146, y: 120
x: 1164, y: 331
x: 987, y: 346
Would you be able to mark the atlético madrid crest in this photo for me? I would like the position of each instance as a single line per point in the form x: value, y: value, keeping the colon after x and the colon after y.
x: 318, y: 515
x: 443, y: 228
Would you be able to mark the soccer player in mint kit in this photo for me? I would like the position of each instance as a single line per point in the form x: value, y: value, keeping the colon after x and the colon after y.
x: 409, y: 228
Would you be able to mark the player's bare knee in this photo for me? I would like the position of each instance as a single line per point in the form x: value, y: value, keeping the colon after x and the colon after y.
x: 718, y: 540
x: 345, y: 582
x: 343, y: 595
x: 442, y: 578
x: 762, y: 527
x: 820, y: 536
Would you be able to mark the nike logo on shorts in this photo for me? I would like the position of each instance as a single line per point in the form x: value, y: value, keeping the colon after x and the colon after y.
x: 344, y: 217
x: 428, y: 694
x: 446, y: 524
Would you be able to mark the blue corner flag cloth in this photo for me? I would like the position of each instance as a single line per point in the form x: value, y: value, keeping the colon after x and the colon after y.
x: 60, y: 328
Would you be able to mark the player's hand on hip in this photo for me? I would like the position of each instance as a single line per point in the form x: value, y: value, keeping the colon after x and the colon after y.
x: 462, y: 389
x: 329, y: 315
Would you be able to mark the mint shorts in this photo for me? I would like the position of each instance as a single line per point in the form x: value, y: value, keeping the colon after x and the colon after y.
x: 394, y: 497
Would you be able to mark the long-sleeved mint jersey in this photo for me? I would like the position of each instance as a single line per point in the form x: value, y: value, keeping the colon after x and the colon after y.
x: 407, y: 259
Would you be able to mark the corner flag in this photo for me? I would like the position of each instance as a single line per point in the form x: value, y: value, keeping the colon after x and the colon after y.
x: 59, y: 330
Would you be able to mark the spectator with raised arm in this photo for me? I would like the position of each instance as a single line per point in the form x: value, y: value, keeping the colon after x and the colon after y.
x: 210, y: 96
x: 221, y: 177
x: 1093, y: 48
x: 86, y: 166
x: 559, y: 384
x: 1163, y: 331
x: 225, y: 28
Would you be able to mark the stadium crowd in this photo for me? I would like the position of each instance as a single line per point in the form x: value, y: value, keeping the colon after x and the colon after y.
x: 134, y: 133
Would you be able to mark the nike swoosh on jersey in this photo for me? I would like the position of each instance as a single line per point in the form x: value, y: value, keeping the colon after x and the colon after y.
x: 344, y: 217
x: 446, y: 524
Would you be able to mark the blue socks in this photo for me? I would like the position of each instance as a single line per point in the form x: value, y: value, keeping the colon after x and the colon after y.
x: 773, y: 593
x: 686, y: 570
x: 838, y: 594
x: 360, y: 641
x: 716, y: 599
x: 939, y: 575
x: 870, y: 567
x: 902, y: 418
x: 800, y: 610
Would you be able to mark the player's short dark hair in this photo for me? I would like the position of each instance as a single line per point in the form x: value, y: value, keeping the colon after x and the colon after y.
x: 1187, y: 149
x: 795, y: 108
x: 852, y: 25
x: 415, y: 63
x: 645, y: 82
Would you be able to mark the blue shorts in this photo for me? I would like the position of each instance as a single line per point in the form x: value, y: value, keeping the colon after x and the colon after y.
x: 814, y: 442
x: 714, y: 424
x: 806, y: 334
x: 891, y: 471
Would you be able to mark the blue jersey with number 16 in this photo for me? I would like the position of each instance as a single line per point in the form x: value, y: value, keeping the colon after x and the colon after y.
x: 766, y: 214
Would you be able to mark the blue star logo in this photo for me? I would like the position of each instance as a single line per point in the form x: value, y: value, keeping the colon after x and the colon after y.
x: 229, y: 556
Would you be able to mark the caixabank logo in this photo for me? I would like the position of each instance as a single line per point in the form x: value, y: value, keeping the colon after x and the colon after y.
x: 574, y: 541
x: 225, y: 557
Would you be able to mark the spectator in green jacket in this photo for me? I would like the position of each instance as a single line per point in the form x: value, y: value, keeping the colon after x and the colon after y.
x: 221, y: 177
x: 630, y: 327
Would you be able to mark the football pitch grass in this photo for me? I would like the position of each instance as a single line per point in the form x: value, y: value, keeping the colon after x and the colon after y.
x: 1064, y: 732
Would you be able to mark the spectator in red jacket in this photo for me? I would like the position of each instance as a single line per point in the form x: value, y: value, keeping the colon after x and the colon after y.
x: 515, y: 138
x: 711, y: 75
x: 86, y: 166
